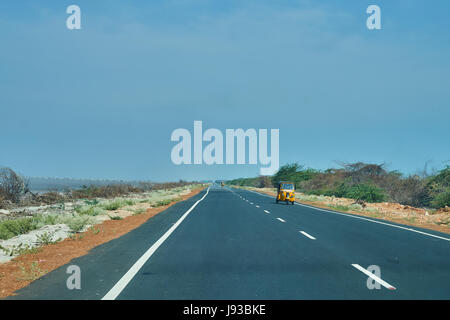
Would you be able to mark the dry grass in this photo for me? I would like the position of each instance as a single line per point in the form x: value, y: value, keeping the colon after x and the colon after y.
x: 24, y: 269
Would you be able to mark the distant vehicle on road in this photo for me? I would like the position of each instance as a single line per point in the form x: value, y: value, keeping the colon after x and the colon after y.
x: 286, y: 192
x: 222, y: 184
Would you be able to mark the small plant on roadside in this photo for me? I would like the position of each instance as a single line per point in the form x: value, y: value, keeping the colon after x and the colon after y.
x: 20, y: 250
x: 165, y: 202
x: 130, y: 202
x: 139, y: 211
x: 33, y: 273
x: 89, y: 210
x: 113, y: 205
x: 441, y: 200
x: 45, y: 239
x: 77, y: 224
x: 161, y: 203
x: 91, y: 202
x: 95, y: 230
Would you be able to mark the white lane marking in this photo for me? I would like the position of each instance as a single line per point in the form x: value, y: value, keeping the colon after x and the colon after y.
x: 281, y: 220
x: 266, y: 211
x: 361, y: 218
x: 307, y: 235
x: 257, y: 206
x: 123, y: 282
x: 374, y: 277
x: 251, y: 202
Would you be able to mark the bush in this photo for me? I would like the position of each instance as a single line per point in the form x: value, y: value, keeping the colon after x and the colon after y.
x: 264, y: 182
x: 439, y: 189
x: 365, y: 192
x: 77, y: 224
x: 441, y: 199
x: 411, y: 191
x: 12, y: 186
x: 114, y: 205
x: 161, y: 203
x: 12, y: 228
x: 89, y: 210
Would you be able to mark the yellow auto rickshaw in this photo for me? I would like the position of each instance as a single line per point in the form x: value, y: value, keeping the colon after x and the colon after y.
x: 286, y: 192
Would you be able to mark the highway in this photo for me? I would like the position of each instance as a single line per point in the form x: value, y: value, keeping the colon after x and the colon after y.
x: 228, y: 243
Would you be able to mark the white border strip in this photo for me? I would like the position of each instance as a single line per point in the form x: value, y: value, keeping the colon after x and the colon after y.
x: 123, y: 282
x: 374, y: 277
x: 361, y: 218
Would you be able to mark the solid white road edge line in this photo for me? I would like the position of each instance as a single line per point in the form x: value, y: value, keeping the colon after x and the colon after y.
x: 374, y: 277
x: 307, y: 235
x: 361, y: 218
x: 123, y: 282
x: 281, y: 220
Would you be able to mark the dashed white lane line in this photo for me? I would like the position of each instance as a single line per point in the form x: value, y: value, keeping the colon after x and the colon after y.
x: 266, y: 211
x: 257, y: 206
x: 251, y: 202
x: 127, y: 277
x: 281, y: 220
x: 307, y: 235
x: 374, y: 277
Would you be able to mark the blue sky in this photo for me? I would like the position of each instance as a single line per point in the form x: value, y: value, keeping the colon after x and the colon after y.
x: 102, y: 102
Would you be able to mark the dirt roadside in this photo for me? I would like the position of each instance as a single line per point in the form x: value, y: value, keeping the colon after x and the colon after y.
x: 24, y: 269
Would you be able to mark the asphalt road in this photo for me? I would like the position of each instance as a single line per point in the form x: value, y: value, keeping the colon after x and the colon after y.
x: 237, y: 244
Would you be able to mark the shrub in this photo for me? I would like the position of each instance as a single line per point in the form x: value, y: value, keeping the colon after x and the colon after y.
x: 130, y: 202
x: 441, y: 199
x: 12, y: 186
x: 365, y: 192
x: 91, y: 211
x: 139, y: 211
x: 114, y: 205
x: 45, y: 238
x: 163, y: 202
x: 411, y: 191
x: 439, y: 189
x: 92, y: 202
x: 77, y: 224
x: 12, y: 228
x: 264, y: 182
